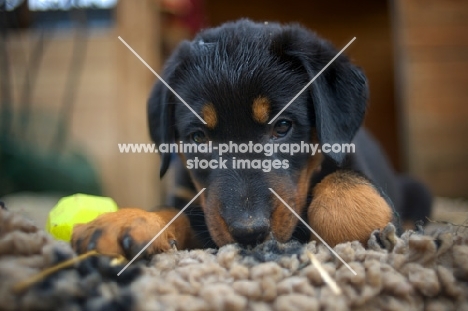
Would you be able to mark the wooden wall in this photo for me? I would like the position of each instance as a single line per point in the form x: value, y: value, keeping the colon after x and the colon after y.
x: 138, y: 24
x: 432, y: 78
x: 111, y: 96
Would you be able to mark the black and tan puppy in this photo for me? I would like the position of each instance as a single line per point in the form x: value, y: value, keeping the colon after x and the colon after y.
x: 237, y: 77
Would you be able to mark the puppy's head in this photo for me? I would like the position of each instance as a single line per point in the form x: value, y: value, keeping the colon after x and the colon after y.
x: 237, y: 77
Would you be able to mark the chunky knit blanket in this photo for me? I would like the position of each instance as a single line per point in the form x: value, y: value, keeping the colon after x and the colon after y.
x: 411, y: 272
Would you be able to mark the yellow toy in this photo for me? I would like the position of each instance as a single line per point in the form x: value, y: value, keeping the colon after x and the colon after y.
x: 76, y: 209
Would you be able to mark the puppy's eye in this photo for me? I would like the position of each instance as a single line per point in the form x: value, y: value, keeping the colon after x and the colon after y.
x: 282, y: 128
x: 199, y: 137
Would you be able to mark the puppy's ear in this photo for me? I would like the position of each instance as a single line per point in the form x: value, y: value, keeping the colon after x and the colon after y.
x: 339, y: 95
x: 161, y: 122
x: 160, y: 107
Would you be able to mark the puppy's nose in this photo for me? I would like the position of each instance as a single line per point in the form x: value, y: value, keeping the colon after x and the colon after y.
x: 250, y: 233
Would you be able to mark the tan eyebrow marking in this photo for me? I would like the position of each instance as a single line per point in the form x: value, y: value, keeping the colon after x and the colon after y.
x: 261, y: 109
x: 209, y: 115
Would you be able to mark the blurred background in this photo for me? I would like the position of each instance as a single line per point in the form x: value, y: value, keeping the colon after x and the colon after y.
x: 71, y: 91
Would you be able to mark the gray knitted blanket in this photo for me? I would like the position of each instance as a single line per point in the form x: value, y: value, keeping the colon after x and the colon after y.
x: 411, y: 272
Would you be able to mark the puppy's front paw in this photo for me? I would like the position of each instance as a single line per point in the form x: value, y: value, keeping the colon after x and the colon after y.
x: 127, y: 231
x: 347, y: 207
